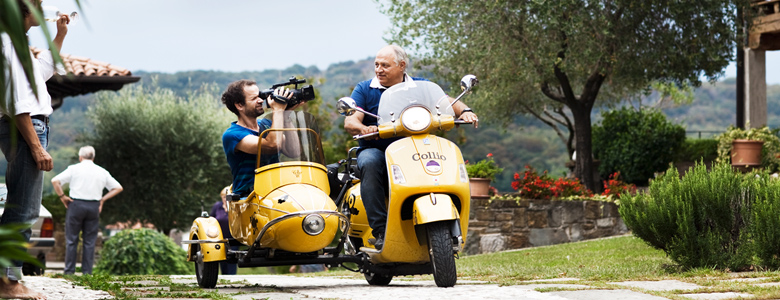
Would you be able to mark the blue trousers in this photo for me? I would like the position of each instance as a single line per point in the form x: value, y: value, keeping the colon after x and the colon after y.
x: 374, y: 187
x: 24, y: 181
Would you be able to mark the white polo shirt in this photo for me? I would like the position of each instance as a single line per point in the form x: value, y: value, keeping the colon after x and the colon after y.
x: 87, y: 180
x: 24, y: 98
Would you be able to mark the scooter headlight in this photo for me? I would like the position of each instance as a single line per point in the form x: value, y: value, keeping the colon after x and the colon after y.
x: 416, y: 118
x: 212, y: 232
x: 313, y: 224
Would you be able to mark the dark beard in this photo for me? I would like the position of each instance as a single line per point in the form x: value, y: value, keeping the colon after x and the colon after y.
x: 259, y: 111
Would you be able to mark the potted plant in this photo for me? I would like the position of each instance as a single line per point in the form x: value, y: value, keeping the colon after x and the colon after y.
x: 480, y: 175
x: 753, y: 147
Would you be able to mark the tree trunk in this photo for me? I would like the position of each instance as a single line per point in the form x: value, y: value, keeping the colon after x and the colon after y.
x: 584, y: 161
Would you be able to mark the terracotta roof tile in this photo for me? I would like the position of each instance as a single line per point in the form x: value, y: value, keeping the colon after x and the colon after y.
x: 82, y: 66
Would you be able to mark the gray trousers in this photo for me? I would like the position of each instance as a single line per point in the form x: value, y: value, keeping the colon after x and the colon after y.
x: 82, y: 216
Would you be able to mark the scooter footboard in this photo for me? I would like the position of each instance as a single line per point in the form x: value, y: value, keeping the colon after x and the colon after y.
x: 433, y: 208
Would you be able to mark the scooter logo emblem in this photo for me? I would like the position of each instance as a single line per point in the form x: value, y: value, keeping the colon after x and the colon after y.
x: 433, y: 166
x: 297, y: 173
x: 428, y: 155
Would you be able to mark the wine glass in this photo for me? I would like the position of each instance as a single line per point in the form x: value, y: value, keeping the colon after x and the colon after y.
x: 52, y: 14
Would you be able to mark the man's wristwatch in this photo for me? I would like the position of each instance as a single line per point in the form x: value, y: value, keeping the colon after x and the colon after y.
x: 465, y: 110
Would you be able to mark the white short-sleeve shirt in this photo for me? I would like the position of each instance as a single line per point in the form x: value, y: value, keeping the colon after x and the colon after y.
x: 87, y: 180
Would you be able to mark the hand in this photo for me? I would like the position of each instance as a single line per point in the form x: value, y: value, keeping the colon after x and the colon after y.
x: 43, y: 160
x: 470, y: 117
x: 280, y: 91
x: 66, y: 200
x: 62, y: 24
x: 100, y: 208
x: 370, y: 129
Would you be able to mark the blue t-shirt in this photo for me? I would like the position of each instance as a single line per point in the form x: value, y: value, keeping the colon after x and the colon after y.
x: 242, y: 164
x: 367, y: 98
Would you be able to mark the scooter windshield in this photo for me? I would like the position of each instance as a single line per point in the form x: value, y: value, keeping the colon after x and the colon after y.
x: 398, y: 97
x: 297, y: 141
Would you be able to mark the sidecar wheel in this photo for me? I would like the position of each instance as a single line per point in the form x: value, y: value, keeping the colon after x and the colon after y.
x: 442, y: 256
x: 205, y: 272
x: 376, y: 279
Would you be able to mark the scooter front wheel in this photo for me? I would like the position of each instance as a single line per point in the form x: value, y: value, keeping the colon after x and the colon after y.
x: 205, y: 272
x: 442, y: 257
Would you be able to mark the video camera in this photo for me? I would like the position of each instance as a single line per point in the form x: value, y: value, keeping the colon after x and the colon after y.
x: 303, y: 94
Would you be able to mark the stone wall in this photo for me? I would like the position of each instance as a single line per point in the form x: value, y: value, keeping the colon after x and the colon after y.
x: 509, y: 224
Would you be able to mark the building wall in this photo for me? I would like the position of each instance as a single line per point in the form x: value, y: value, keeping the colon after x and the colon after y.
x: 513, y: 224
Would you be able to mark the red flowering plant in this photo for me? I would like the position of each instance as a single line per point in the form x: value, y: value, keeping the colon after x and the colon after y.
x: 486, y: 168
x: 531, y: 185
x: 614, y: 187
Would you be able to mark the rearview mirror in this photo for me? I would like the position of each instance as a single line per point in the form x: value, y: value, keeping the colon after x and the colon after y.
x: 468, y: 82
x: 347, y: 106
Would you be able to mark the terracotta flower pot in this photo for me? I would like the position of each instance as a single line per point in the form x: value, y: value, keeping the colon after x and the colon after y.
x: 746, y: 153
x: 479, y: 187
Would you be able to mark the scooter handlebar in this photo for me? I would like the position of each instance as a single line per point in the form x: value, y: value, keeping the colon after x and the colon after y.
x: 357, y: 137
x: 459, y: 121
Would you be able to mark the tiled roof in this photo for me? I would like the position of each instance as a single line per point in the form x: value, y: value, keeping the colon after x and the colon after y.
x: 82, y: 66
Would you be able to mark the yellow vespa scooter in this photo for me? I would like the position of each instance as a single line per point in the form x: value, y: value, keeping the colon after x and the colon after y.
x: 288, y: 219
x: 428, y: 205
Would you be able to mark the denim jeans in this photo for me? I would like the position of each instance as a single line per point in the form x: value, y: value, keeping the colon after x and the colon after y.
x: 24, y: 181
x: 373, y: 187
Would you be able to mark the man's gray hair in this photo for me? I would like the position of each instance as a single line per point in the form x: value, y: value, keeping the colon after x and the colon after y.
x: 400, y: 55
x: 87, y: 152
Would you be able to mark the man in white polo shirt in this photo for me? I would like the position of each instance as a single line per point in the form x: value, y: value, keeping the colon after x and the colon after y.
x: 87, y: 181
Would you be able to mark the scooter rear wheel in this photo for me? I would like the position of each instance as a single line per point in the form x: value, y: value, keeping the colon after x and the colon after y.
x: 205, y: 272
x: 442, y: 256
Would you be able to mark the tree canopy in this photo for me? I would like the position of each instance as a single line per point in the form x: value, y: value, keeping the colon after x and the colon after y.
x: 564, y: 55
x: 165, y: 150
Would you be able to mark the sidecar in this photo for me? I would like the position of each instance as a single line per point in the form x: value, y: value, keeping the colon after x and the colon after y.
x: 287, y: 219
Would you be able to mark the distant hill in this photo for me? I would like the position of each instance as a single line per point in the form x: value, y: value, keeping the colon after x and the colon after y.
x: 526, y: 142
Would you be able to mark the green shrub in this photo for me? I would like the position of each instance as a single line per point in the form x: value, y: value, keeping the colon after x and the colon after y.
x: 698, y: 149
x: 699, y: 220
x: 765, y: 221
x: 142, y: 252
x: 635, y: 143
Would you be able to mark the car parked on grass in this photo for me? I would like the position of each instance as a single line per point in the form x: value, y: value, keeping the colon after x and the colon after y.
x: 41, y: 240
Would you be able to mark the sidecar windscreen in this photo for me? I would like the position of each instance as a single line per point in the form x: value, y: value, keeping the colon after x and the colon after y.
x: 300, y: 142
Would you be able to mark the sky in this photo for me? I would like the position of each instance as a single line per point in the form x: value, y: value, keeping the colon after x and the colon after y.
x: 226, y: 35
x: 236, y: 35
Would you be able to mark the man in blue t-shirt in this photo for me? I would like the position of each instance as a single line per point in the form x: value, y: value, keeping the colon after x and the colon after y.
x: 240, y: 141
x: 390, y: 69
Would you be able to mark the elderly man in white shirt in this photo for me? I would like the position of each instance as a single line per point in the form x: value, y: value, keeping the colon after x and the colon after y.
x: 84, y: 204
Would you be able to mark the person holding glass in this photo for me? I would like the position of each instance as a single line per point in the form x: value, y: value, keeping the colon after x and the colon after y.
x: 24, y: 137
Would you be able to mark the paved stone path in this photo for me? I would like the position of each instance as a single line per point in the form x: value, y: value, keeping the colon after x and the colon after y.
x: 58, y: 288
x: 277, y: 287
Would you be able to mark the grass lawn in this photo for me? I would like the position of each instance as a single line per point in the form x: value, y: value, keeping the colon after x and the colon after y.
x: 596, y: 263
x: 619, y: 258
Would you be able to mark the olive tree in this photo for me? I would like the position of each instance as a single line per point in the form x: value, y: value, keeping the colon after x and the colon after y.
x: 559, y: 59
x: 166, y: 152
